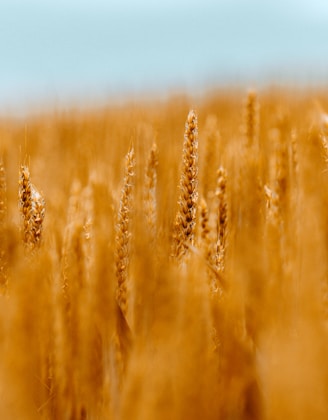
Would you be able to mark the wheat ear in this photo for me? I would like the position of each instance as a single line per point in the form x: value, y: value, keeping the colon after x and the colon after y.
x: 32, y: 207
x: 123, y: 234
x: 251, y: 119
x: 184, y: 228
x: 222, y: 222
x: 150, y: 190
x: 205, y: 230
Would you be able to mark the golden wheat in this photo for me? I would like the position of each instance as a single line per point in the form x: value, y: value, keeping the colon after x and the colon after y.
x: 132, y: 300
x: 32, y: 207
x: 184, y: 228
x: 123, y: 232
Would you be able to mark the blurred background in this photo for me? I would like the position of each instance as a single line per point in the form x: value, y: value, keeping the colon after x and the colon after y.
x: 63, y: 51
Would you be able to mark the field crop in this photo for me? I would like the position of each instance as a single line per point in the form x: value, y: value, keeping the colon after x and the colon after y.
x: 166, y: 260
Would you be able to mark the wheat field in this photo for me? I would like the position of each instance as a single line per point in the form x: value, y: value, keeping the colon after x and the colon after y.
x: 166, y: 259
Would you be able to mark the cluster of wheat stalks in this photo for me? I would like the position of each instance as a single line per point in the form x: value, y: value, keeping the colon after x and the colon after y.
x: 188, y: 280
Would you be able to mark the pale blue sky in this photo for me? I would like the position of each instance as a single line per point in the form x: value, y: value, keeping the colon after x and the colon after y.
x: 92, y: 48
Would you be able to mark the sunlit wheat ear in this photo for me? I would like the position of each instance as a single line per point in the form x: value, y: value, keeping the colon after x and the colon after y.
x: 222, y: 221
x: 123, y: 232
x: 251, y: 119
x: 150, y: 191
x: 25, y: 201
x: 3, y: 222
x: 185, y: 220
x: 32, y: 207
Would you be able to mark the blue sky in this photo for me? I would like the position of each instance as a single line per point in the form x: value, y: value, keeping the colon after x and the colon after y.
x: 63, y: 49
